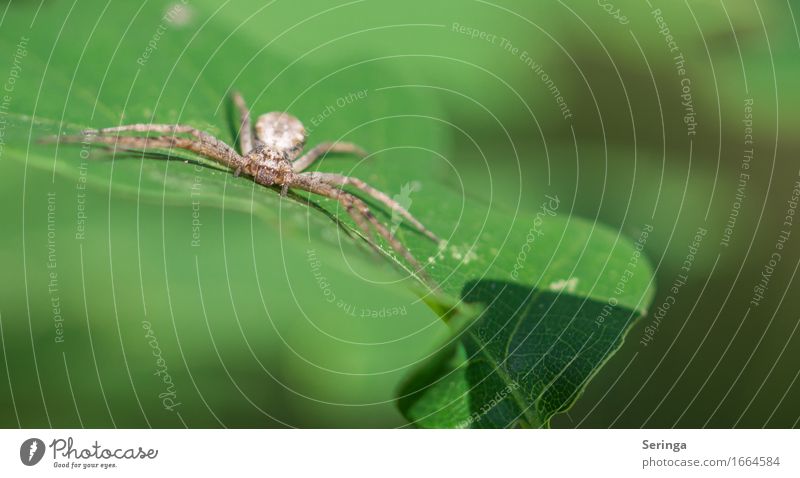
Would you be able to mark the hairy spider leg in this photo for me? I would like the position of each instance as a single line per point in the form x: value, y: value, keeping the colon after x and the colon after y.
x: 205, y: 145
x: 341, y: 180
x: 318, y: 151
x: 360, y: 212
x: 245, y: 124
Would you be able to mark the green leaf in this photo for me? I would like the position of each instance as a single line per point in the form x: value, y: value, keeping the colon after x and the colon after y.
x: 520, y: 292
x: 527, y: 358
x: 248, y: 293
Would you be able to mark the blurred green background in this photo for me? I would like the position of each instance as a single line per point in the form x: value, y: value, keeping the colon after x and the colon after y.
x: 249, y: 335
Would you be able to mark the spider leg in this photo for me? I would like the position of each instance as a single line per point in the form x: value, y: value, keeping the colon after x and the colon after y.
x: 204, y: 144
x: 361, y: 214
x: 361, y: 223
x: 302, y: 163
x: 203, y: 137
x: 245, y: 124
x: 341, y: 180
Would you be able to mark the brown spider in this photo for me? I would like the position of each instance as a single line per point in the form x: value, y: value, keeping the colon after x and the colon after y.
x: 271, y: 159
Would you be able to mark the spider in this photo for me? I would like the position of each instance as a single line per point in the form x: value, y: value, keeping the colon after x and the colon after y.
x: 270, y: 155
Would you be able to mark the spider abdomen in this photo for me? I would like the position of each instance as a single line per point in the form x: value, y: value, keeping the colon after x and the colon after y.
x: 281, y: 132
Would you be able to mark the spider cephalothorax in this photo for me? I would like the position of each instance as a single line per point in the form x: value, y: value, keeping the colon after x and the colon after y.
x: 267, y: 166
x: 270, y: 154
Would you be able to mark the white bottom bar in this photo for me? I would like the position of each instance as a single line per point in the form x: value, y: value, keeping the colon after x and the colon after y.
x: 401, y: 453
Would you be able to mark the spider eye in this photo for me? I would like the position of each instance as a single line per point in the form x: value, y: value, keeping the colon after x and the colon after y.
x: 281, y: 132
